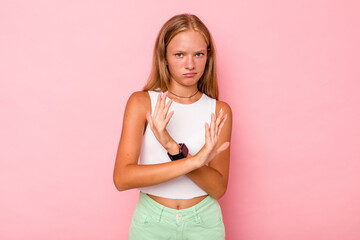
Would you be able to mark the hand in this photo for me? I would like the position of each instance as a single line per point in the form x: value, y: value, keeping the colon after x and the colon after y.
x: 160, y: 120
x: 212, y: 133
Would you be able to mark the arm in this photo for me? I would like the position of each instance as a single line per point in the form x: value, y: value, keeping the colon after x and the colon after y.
x: 127, y: 173
x: 213, y: 178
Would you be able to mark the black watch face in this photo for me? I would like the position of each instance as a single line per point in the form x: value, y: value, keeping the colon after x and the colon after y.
x: 183, y: 153
x: 185, y: 150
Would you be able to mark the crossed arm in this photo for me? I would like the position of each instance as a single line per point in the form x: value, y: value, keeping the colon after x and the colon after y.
x: 212, y: 178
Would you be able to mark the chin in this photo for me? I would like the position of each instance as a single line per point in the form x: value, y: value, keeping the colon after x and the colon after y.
x: 191, y: 84
x: 191, y: 81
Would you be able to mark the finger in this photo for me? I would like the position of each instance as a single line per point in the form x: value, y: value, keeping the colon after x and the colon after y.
x: 222, y: 124
x: 223, y: 147
x: 162, y: 112
x: 218, y: 119
x: 149, y: 119
x: 163, y: 100
x: 167, y: 119
x: 157, y: 104
x: 207, y: 133
x: 212, y: 127
x: 167, y: 106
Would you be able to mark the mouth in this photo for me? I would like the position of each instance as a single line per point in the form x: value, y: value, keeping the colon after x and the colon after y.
x: 189, y: 74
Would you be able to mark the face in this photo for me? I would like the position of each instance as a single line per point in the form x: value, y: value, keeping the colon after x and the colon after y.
x: 186, y: 58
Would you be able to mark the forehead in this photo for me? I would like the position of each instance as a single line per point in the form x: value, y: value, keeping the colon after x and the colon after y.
x: 187, y: 40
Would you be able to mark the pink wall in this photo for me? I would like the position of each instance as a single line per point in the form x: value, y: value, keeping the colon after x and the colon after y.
x: 289, y: 69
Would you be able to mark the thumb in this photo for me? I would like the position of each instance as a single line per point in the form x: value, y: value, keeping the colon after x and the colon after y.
x: 148, y: 118
x: 223, y: 147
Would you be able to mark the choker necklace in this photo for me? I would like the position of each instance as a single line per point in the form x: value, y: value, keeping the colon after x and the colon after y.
x: 183, y: 96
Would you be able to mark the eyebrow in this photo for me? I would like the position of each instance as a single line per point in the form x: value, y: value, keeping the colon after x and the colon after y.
x: 178, y: 50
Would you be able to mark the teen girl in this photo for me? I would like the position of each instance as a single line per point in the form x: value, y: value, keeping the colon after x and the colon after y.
x: 180, y: 133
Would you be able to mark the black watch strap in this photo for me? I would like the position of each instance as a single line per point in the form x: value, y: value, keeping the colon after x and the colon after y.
x: 182, y: 154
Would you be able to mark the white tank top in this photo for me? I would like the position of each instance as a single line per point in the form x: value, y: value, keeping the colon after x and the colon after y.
x: 187, y: 125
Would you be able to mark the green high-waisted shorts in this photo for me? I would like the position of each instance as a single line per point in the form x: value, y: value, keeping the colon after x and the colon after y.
x: 154, y: 221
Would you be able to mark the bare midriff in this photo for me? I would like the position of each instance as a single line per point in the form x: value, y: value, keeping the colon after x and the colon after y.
x: 177, y: 203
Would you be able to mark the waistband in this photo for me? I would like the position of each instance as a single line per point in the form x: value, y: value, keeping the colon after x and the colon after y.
x: 160, y: 211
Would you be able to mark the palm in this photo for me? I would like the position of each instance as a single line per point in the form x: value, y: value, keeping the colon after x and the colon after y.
x: 212, y: 133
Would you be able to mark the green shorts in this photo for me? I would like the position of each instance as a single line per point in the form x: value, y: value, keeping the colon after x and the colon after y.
x: 154, y: 221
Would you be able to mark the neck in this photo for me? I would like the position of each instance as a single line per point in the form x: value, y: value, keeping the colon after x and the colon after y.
x: 179, y: 91
x: 179, y: 96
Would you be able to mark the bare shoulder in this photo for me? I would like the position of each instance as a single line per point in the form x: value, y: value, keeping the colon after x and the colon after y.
x: 139, y: 100
x: 139, y: 97
x: 223, y: 105
x: 134, y: 122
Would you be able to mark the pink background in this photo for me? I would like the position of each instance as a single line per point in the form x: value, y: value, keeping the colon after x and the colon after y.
x: 289, y: 69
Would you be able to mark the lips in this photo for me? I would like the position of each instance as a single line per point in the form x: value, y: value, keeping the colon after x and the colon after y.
x: 189, y: 74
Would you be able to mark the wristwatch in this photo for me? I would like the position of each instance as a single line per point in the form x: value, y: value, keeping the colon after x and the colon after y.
x: 182, y: 154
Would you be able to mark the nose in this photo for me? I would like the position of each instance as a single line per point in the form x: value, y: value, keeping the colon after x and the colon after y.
x: 190, y: 64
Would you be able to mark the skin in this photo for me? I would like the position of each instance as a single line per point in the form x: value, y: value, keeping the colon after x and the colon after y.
x: 186, y: 53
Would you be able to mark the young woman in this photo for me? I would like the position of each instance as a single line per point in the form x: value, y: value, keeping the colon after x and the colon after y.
x: 181, y: 134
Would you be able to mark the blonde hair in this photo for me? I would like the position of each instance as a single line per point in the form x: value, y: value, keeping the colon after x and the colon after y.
x: 160, y: 77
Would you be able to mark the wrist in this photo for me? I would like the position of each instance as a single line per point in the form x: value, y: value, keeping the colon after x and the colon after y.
x: 200, y: 158
x: 172, y: 147
x: 192, y: 162
x: 183, y: 152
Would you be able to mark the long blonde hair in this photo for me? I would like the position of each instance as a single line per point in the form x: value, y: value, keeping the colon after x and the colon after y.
x: 160, y: 77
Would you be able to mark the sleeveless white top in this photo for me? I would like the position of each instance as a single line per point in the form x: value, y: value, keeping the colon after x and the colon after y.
x: 187, y: 125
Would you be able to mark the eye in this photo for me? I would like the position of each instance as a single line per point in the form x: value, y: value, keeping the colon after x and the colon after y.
x: 179, y: 54
x: 199, y: 54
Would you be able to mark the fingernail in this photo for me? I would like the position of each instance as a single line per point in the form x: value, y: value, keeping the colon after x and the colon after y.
x: 221, y: 110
